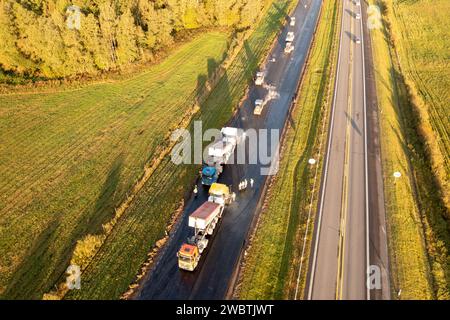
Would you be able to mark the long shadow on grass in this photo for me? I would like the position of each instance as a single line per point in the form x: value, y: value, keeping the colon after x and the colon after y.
x: 216, y: 109
x: 434, y: 215
x: 45, y: 263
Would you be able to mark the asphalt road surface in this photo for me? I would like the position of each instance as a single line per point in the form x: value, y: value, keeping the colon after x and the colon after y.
x: 341, y: 252
x: 212, y: 277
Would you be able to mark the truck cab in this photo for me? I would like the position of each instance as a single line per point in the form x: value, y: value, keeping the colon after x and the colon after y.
x: 290, y: 37
x: 259, y: 81
x: 188, y: 257
x: 292, y: 23
x: 220, y: 194
x: 258, y: 107
x: 209, y: 175
x: 289, y: 47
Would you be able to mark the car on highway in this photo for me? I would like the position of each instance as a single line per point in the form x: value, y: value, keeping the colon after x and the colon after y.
x: 357, y: 40
x: 358, y: 16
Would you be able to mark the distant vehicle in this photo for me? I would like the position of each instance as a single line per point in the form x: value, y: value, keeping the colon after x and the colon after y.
x: 204, y: 220
x: 357, y: 2
x: 289, y: 47
x: 357, y: 40
x: 259, y: 105
x: 358, y: 16
x: 290, y: 37
x: 259, y: 81
x: 292, y: 21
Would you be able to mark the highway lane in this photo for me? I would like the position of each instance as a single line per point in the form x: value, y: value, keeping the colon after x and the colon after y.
x: 340, y: 254
x: 211, y: 279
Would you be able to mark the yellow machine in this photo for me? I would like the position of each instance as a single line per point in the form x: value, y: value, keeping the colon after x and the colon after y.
x: 188, y: 257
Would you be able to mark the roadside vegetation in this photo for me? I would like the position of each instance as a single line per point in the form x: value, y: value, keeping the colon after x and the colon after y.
x: 68, y: 158
x: 418, y: 221
x: 272, y: 262
x: 422, y: 40
x: 125, y: 249
x: 60, y: 39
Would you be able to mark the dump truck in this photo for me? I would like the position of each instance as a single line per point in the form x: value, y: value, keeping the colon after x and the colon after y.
x: 290, y: 37
x: 219, y: 152
x: 204, y: 220
x: 259, y: 105
x: 292, y: 21
x: 289, y: 47
x: 289, y: 42
x: 259, y: 81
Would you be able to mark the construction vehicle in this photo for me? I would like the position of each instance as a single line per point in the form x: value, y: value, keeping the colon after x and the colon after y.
x: 292, y: 21
x: 289, y: 47
x: 219, y: 152
x: 259, y: 105
x: 204, y: 220
x: 290, y: 37
x: 289, y: 42
x: 259, y: 81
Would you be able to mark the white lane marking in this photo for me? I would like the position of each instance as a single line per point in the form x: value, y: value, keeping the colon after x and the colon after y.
x: 365, y: 155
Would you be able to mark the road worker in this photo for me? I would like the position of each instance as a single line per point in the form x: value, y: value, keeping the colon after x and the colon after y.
x: 195, y: 191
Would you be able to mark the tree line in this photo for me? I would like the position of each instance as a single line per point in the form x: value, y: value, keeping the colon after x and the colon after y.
x: 61, y: 38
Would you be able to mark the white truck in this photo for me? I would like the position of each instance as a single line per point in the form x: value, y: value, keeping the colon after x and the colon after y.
x: 219, y: 152
x: 292, y: 21
x: 289, y: 42
x: 290, y: 37
x: 259, y: 81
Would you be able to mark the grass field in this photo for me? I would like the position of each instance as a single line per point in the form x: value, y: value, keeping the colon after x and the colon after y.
x: 420, y: 31
x: 271, y: 266
x: 417, y: 230
x: 67, y: 158
x: 119, y: 259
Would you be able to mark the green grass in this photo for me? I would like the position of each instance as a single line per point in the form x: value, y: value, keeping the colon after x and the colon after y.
x: 119, y: 259
x: 67, y: 158
x: 417, y: 231
x: 271, y: 266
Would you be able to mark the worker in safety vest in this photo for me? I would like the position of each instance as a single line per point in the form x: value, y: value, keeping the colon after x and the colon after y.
x: 195, y: 191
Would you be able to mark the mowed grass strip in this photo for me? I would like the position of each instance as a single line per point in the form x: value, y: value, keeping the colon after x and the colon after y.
x: 118, y: 261
x: 272, y: 263
x: 68, y: 158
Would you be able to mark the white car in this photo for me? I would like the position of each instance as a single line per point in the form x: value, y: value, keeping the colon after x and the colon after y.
x: 357, y: 40
x: 292, y: 21
x: 358, y: 16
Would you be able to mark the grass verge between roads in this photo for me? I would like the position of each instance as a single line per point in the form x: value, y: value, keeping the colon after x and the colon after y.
x: 119, y: 259
x: 68, y: 158
x: 417, y: 231
x: 271, y: 266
